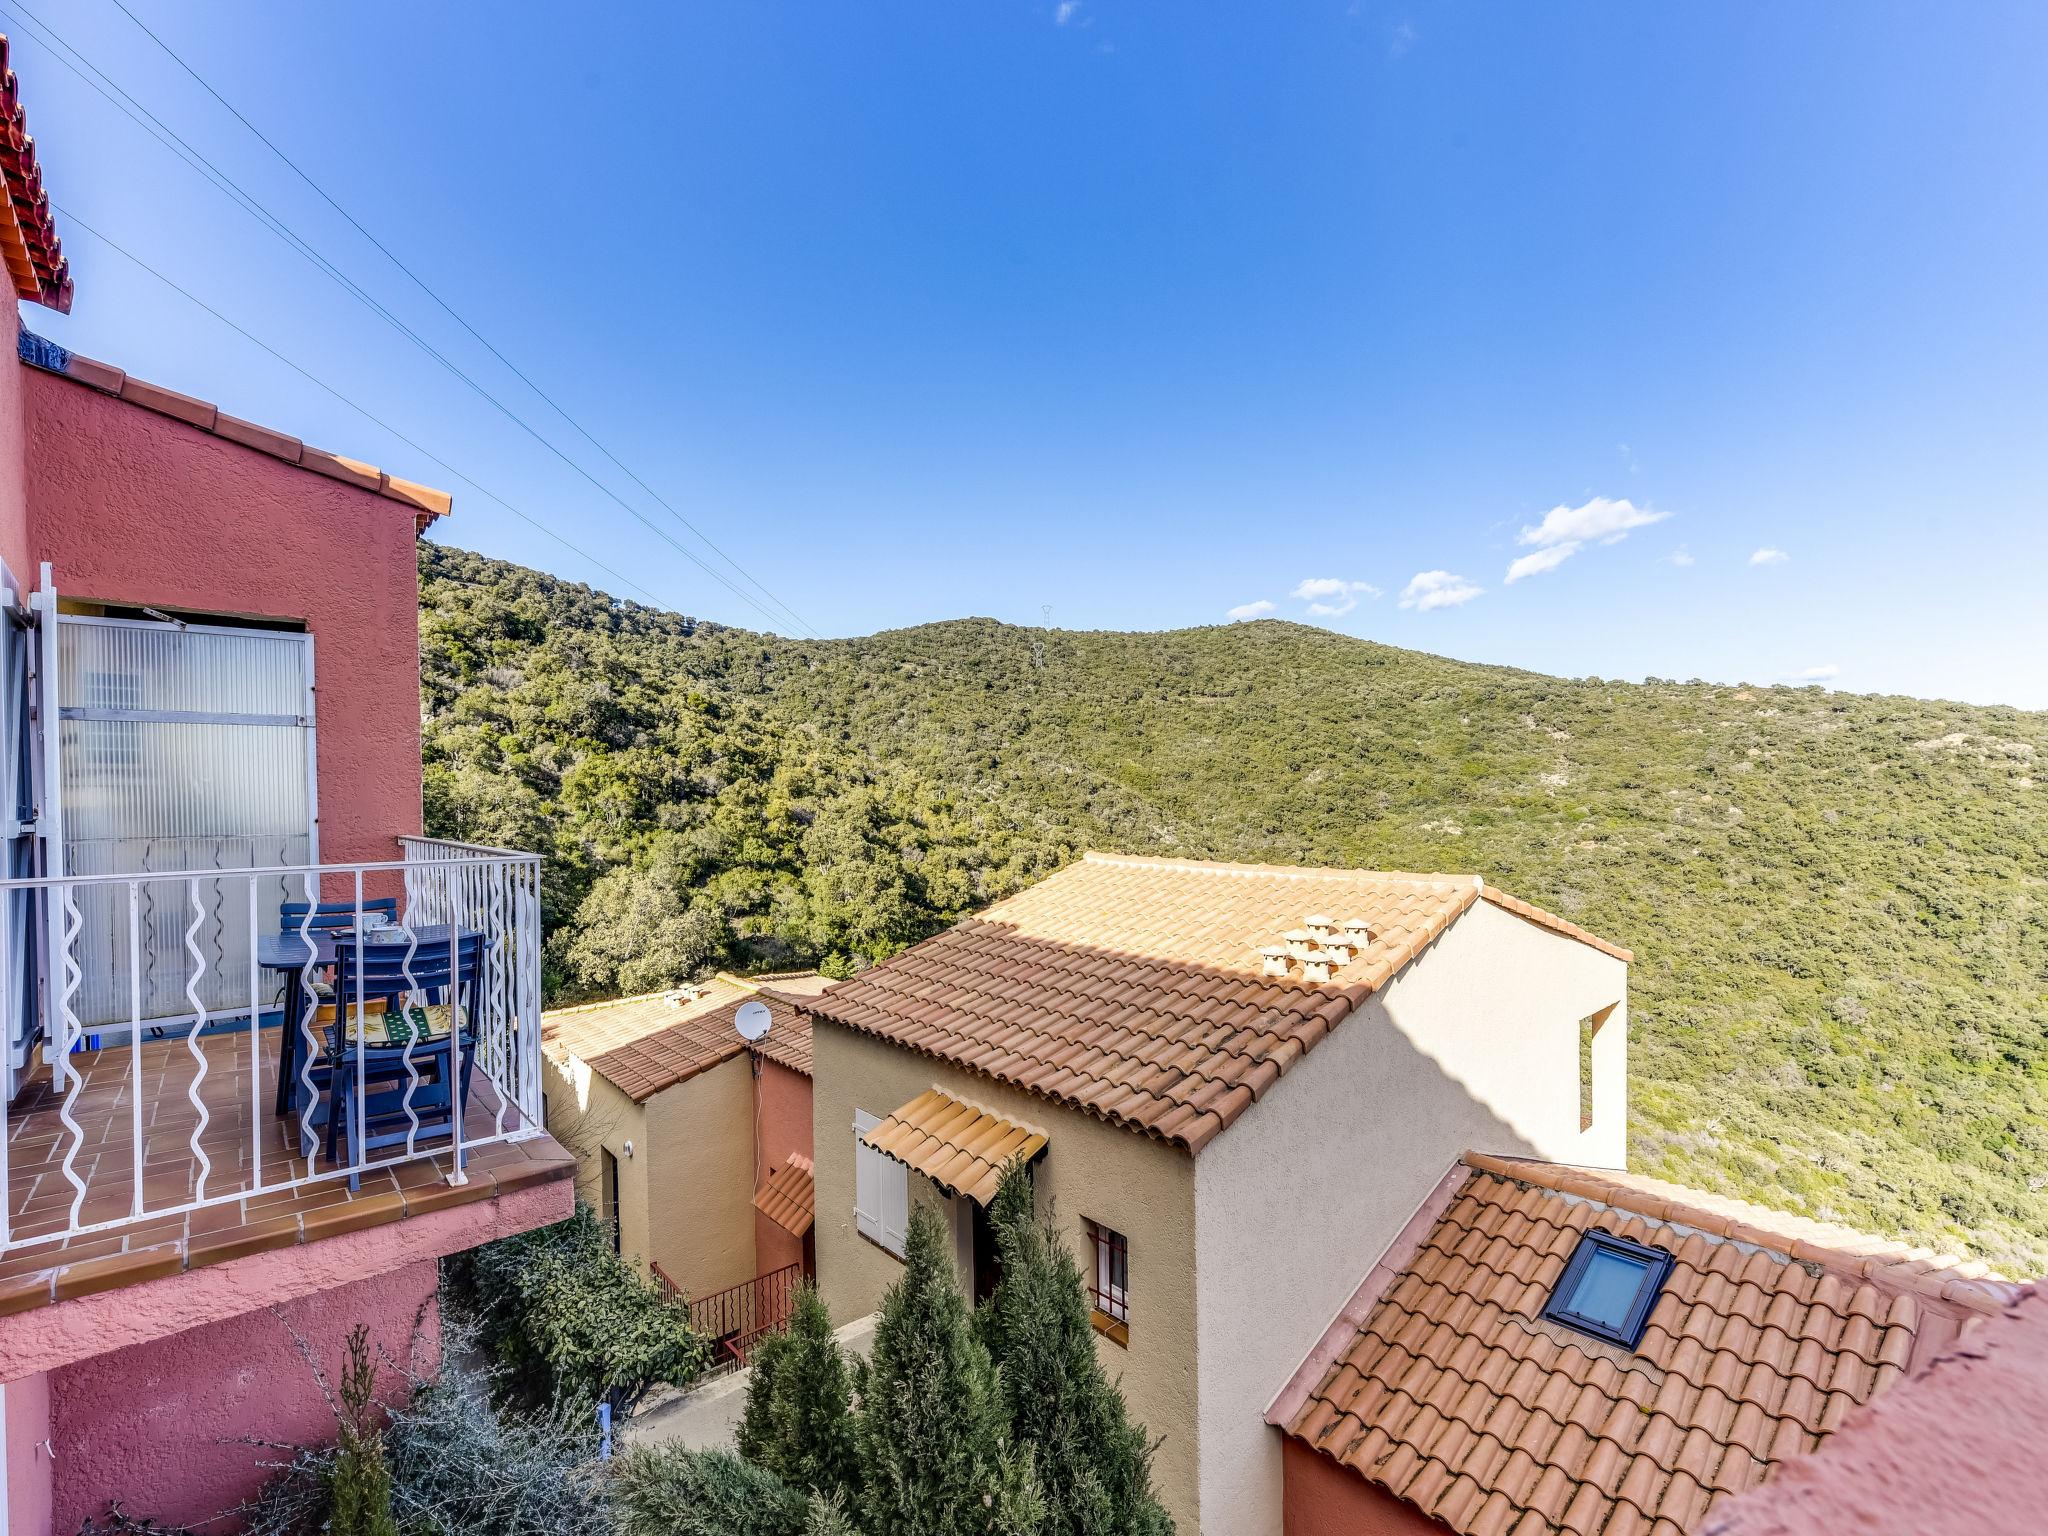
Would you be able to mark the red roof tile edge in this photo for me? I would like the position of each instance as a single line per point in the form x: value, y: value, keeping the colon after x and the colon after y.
x: 34, y: 255
x: 427, y: 503
x: 1554, y: 923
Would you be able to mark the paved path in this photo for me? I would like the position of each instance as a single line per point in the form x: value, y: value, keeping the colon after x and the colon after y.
x: 708, y: 1418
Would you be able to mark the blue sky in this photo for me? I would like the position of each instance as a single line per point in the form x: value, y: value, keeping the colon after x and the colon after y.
x: 1141, y: 313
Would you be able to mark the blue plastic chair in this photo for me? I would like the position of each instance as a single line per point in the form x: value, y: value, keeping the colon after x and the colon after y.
x: 381, y: 973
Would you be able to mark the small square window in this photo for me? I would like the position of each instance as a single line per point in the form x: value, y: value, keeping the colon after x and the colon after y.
x: 1608, y: 1287
x: 1109, y: 1286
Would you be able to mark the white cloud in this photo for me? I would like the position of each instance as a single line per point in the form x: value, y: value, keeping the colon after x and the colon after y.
x: 1401, y: 39
x: 1769, y: 556
x: 1680, y: 556
x: 1329, y: 596
x: 1065, y: 12
x: 1818, y: 674
x: 1599, y: 521
x: 1437, y: 589
x: 1542, y: 560
x: 1256, y: 610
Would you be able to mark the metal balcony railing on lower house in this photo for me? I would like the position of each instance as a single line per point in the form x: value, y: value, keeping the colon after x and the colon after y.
x: 740, y: 1316
x: 194, y: 1051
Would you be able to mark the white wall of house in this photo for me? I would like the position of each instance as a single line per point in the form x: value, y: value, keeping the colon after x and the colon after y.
x: 1475, y: 1046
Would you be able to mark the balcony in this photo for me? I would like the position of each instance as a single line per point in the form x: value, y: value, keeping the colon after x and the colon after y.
x: 155, y: 1131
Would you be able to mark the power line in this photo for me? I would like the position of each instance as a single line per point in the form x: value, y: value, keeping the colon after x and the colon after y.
x: 312, y: 378
x: 421, y: 283
x: 171, y: 140
x: 198, y: 162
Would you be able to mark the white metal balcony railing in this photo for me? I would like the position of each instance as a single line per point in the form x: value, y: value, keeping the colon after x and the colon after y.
x: 156, y: 1115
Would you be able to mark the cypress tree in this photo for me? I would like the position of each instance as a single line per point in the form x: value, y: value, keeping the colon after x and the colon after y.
x: 934, y: 1450
x: 757, y: 1439
x: 799, y: 1418
x: 814, y: 1405
x: 1092, y: 1465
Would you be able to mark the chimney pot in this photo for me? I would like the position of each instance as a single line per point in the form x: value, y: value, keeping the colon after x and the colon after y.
x: 1275, y: 956
x: 1299, y: 942
x: 1358, y: 931
x: 1319, y: 925
x: 1317, y: 964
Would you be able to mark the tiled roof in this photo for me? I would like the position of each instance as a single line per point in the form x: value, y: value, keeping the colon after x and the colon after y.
x: 426, y: 502
x: 644, y: 1044
x: 1136, y: 988
x: 1443, y: 1383
x: 788, y: 1198
x: 959, y: 1146
x: 1962, y: 1448
x: 28, y: 235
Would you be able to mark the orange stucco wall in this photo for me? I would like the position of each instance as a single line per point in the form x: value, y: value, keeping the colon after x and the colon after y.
x: 133, y: 507
x: 1325, y: 1498
x: 785, y: 1100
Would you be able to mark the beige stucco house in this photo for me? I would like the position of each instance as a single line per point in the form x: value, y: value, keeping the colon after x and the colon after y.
x: 679, y: 1125
x: 1235, y: 1084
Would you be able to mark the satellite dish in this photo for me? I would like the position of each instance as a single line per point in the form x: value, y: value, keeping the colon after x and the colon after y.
x: 753, y: 1021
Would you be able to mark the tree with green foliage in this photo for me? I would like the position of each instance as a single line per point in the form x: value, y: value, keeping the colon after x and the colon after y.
x: 799, y: 1415
x: 935, y: 1455
x: 1092, y: 1464
x: 568, y: 1318
x: 359, y: 1482
x: 1836, y: 1004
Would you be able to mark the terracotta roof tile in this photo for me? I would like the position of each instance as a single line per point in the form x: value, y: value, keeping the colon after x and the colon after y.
x: 958, y: 1145
x: 787, y: 1198
x: 1136, y: 988
x: 642, y: 1045
x: 34, y: 256
x: 38, y: 352
x: 1452, y: 1391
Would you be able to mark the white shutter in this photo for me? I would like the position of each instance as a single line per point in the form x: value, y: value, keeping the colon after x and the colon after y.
x: 895, y: 1204
x: 867, y: 1177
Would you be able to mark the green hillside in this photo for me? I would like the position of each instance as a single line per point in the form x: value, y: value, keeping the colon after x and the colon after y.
x: 1840, y: 996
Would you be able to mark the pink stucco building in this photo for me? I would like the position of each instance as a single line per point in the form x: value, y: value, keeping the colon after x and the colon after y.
x: 209, y: 709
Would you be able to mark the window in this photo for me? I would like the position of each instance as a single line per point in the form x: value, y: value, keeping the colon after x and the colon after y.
x: 1109, y: 1286
x: 881, y: 1189
x: 1608, y: 1287
x: 1589, y: 1029
x: 608, y: 1196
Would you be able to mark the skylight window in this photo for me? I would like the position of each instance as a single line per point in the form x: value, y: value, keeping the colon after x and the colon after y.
x: 1608, y: 1287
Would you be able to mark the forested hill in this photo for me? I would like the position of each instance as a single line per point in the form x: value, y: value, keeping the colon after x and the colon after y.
x: 1840, y: 996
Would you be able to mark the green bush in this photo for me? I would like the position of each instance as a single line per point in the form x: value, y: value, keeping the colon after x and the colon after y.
x: 457, y: 1465
x: 571, y: 1320
x: 799, y: 1417
x: 670, y: 1491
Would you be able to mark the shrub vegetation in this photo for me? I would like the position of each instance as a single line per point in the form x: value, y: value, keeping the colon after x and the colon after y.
x: 1840, y: 996
x: 568, y: 1320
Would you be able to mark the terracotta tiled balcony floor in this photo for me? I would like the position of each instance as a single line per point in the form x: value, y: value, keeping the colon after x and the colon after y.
x: 41, y: 1265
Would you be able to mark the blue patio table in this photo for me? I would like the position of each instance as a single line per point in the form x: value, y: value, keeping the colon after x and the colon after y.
x: 287, y: 954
